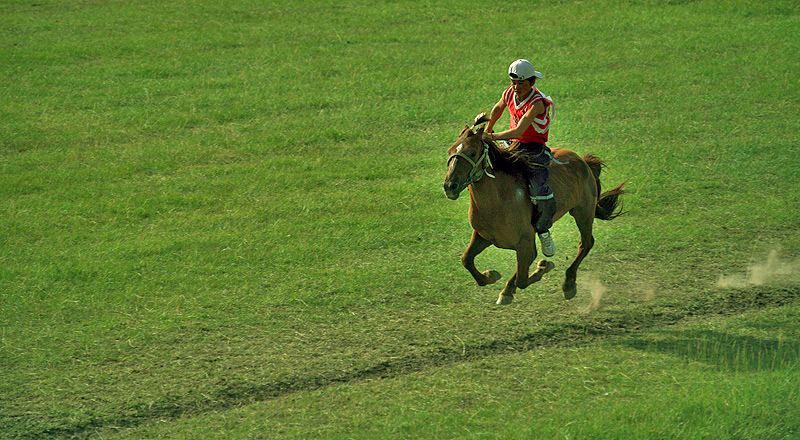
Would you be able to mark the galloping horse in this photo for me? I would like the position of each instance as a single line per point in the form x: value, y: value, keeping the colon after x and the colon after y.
x: 500, y: 209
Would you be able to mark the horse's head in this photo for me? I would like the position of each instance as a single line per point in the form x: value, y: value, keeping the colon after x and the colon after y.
x: 469, y: 158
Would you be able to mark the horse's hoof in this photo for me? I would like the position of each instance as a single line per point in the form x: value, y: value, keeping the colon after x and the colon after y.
x: 570, y: 289
x: 504, y: 300
x: 492, y: 276
x: 545, y: 265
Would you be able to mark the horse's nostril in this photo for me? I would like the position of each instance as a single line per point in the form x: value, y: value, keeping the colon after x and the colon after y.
x: 451, y: 190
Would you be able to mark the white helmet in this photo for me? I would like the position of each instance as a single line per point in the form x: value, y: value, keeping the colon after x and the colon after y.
x: 522, y: 69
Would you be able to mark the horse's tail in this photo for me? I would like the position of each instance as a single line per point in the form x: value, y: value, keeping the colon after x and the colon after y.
x: 609, y: 201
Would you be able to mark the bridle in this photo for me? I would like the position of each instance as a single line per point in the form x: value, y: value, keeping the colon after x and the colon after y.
x: 478, y: 166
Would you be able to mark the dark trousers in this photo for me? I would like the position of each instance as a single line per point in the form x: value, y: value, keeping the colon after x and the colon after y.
x: 539, y: 154
x: 540, y: 190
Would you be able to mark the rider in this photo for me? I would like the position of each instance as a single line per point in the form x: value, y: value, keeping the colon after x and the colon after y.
x: 529, y: 125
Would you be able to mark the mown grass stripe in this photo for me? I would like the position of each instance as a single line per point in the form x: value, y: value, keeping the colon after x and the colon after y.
x: 578, y: 332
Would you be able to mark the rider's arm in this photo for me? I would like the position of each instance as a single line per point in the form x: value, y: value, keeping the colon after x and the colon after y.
x: 526, y: 121
x: 497, y: 111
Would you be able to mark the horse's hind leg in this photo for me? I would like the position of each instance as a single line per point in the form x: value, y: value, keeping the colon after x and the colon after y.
x: 584, y: 219
x: 476, y: 245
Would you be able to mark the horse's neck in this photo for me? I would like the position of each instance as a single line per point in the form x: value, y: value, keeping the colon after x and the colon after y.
x: 489, y: 191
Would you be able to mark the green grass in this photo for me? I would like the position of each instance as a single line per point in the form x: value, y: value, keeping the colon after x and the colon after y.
x: 213, y: 215
x: 711, y: 378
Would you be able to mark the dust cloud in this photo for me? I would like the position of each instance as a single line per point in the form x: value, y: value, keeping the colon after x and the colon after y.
x: 596, y: 289
x: 761, y: 273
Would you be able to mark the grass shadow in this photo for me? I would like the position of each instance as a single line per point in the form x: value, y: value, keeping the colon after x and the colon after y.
x: 735, y: 353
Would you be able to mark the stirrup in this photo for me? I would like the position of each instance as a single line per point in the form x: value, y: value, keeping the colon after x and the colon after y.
x: 535, y: 199
x: 531, y: 192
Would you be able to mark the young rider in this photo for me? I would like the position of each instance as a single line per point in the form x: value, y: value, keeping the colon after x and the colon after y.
x: 529, y: 125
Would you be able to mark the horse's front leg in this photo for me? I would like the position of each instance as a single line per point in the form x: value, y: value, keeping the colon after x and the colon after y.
x: 476, y: 245
x: 507, y: 295
x: 526, y: 252
x: 524, y: 261
x: 542, y: 268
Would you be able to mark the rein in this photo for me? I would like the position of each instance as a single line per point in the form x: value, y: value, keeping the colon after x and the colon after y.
x: 478, y: 167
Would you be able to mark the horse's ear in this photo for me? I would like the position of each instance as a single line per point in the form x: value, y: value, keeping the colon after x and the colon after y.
x: 466, y: 129
x: 480, y: 130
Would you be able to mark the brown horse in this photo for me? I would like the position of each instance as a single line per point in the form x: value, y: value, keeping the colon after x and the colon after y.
x: 500, y: 209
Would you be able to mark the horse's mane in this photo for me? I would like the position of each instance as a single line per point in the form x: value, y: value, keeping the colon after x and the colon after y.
x: 509, y: 161
x: 514, y: 161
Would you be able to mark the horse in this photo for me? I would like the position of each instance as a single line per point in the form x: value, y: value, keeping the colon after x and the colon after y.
x: 501, y: 211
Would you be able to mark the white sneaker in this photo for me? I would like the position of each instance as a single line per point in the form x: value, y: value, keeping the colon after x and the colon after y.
x: 548, y: 247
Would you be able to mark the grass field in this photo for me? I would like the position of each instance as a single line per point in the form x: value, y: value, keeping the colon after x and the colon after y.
x: 225, y: 220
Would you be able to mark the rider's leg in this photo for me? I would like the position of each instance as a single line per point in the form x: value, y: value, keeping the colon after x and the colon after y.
x: 545, y: 202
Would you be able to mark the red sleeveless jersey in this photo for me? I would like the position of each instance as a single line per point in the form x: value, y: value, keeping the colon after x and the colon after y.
x: 538, y: 130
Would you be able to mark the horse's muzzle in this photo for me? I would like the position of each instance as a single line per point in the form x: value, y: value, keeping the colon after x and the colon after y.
x: 452, y: 190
